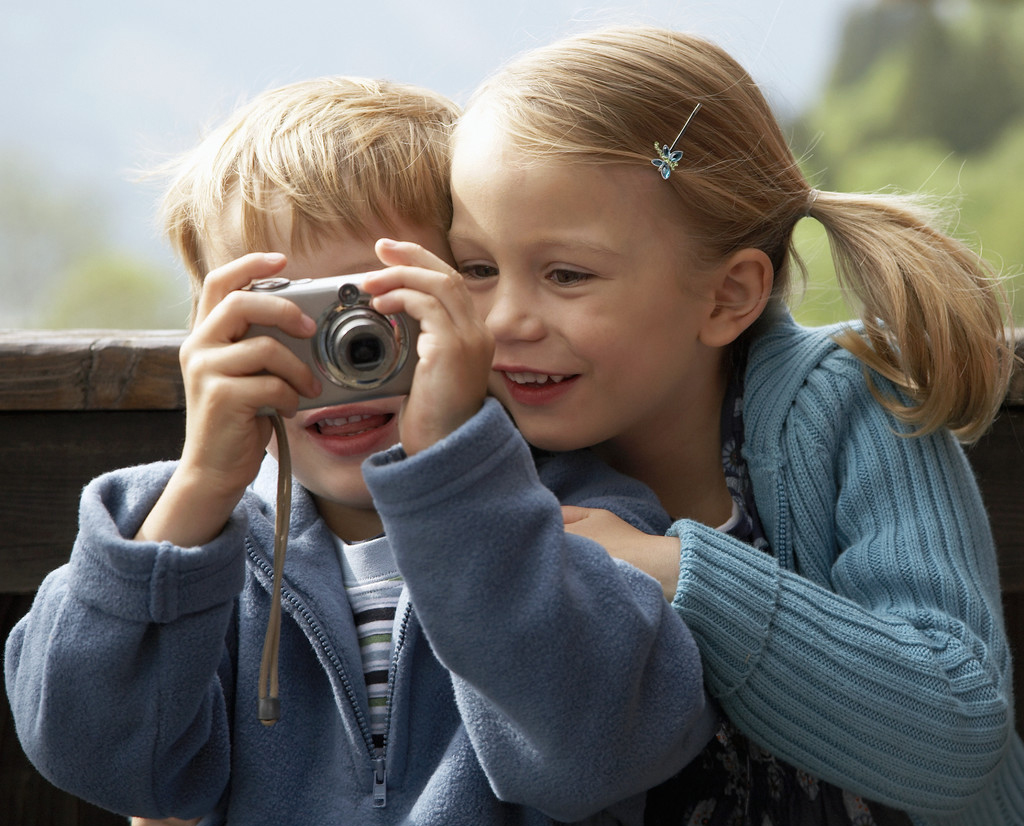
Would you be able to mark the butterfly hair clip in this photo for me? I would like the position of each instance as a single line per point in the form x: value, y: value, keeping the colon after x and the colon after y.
x: 669, y: 157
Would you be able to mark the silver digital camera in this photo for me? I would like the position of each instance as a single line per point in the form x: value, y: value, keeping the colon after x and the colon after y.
x: 357, y: 353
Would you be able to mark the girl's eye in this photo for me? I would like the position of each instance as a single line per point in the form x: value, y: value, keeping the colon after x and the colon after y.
x: 478, y: 271
x: 568, y: 278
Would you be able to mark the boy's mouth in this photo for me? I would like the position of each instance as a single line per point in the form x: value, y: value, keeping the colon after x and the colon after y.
x: 353, y: 431
x: 349, y: 421
x: 352, y: 425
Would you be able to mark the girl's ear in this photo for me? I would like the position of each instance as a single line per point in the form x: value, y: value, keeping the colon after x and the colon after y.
x: 742, y: 287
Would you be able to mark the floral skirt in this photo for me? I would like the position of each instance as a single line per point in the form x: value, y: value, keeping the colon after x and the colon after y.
x: 733, y: 782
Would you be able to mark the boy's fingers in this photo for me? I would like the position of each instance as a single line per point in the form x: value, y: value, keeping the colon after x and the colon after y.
x: 427, y: 279
x: 416, y: 303
x: 221, y: 282
x: 391, y: 287
x: 409, y: 265
x: 397, y: 253
x: 232, y: 317
x: 246, y: 396
x: 262, y: 355
x: 439, y: 319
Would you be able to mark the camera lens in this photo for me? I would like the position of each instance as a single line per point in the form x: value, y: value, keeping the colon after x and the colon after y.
x: 362, y: 346
x: 359, y: 348
x: 365, y: 352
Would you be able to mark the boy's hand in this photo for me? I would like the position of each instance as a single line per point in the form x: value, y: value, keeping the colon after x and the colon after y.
x: 227, y: 381
x: 455, y: 348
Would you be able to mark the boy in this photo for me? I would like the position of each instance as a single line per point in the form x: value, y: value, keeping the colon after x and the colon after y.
x: 529, y: 676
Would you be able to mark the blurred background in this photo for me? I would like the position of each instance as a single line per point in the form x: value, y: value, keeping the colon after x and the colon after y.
x: 919, y: 95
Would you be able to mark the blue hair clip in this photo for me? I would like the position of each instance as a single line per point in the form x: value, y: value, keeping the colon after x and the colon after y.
x: 669, y: 157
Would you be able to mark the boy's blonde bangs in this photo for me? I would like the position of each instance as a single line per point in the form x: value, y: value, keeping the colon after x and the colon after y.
x: 334, y: 153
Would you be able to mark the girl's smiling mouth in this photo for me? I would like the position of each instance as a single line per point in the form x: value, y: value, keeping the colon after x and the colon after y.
x: 533, y: 388
x: 525, y: 378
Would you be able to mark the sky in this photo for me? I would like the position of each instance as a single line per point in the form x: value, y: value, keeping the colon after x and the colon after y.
x: 93, y: 92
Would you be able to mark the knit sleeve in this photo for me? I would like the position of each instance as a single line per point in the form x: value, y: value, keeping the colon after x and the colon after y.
x: 870, y: 649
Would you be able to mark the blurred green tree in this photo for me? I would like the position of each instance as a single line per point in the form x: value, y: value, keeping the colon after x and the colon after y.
x: 923, y: 97
x: 114, y: 290
x: 59, y: 268
x: 41, y: 232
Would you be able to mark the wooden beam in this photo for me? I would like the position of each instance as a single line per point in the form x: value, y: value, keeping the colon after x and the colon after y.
x: 90, y: 370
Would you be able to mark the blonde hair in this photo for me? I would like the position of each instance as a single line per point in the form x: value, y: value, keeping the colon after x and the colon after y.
x: 335, y: 153
x: 933, y: 311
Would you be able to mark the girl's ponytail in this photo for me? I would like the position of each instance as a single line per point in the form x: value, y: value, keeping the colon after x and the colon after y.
x: 933, y: 310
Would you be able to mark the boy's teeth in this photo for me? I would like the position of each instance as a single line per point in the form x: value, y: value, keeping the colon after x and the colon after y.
x: 534, y: 378
x: 344, y: 420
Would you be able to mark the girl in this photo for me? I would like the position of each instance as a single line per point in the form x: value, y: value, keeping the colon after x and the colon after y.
x: 624, y: 204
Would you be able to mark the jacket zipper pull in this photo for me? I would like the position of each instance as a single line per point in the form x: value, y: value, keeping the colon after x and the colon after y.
x: 380, y: 788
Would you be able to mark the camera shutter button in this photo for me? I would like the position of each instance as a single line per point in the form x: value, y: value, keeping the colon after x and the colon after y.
x: 269, y: 284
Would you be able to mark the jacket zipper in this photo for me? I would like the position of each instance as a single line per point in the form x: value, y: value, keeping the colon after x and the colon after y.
x: 380, y: 789
x: 378, y: 764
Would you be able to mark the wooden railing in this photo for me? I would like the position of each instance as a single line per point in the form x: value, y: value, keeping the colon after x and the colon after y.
x: 73, y: 405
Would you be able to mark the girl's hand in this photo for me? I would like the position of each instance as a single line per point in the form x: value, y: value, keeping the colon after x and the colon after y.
x: 228, y: 380
x: 171, y: 821
x: 657, y: 556
x: 455, y: 348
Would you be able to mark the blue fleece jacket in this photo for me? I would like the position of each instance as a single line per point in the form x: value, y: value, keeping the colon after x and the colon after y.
x: 870, y: 648
x: 534, y: 678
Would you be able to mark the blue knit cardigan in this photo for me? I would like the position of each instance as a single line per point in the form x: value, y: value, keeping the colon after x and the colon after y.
x: 870, y: 648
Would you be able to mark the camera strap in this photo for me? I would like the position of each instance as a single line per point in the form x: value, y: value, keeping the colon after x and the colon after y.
x: 269, y: 704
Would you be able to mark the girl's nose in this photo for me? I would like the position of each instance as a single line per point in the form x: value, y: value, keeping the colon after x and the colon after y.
x: 514, y: 313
